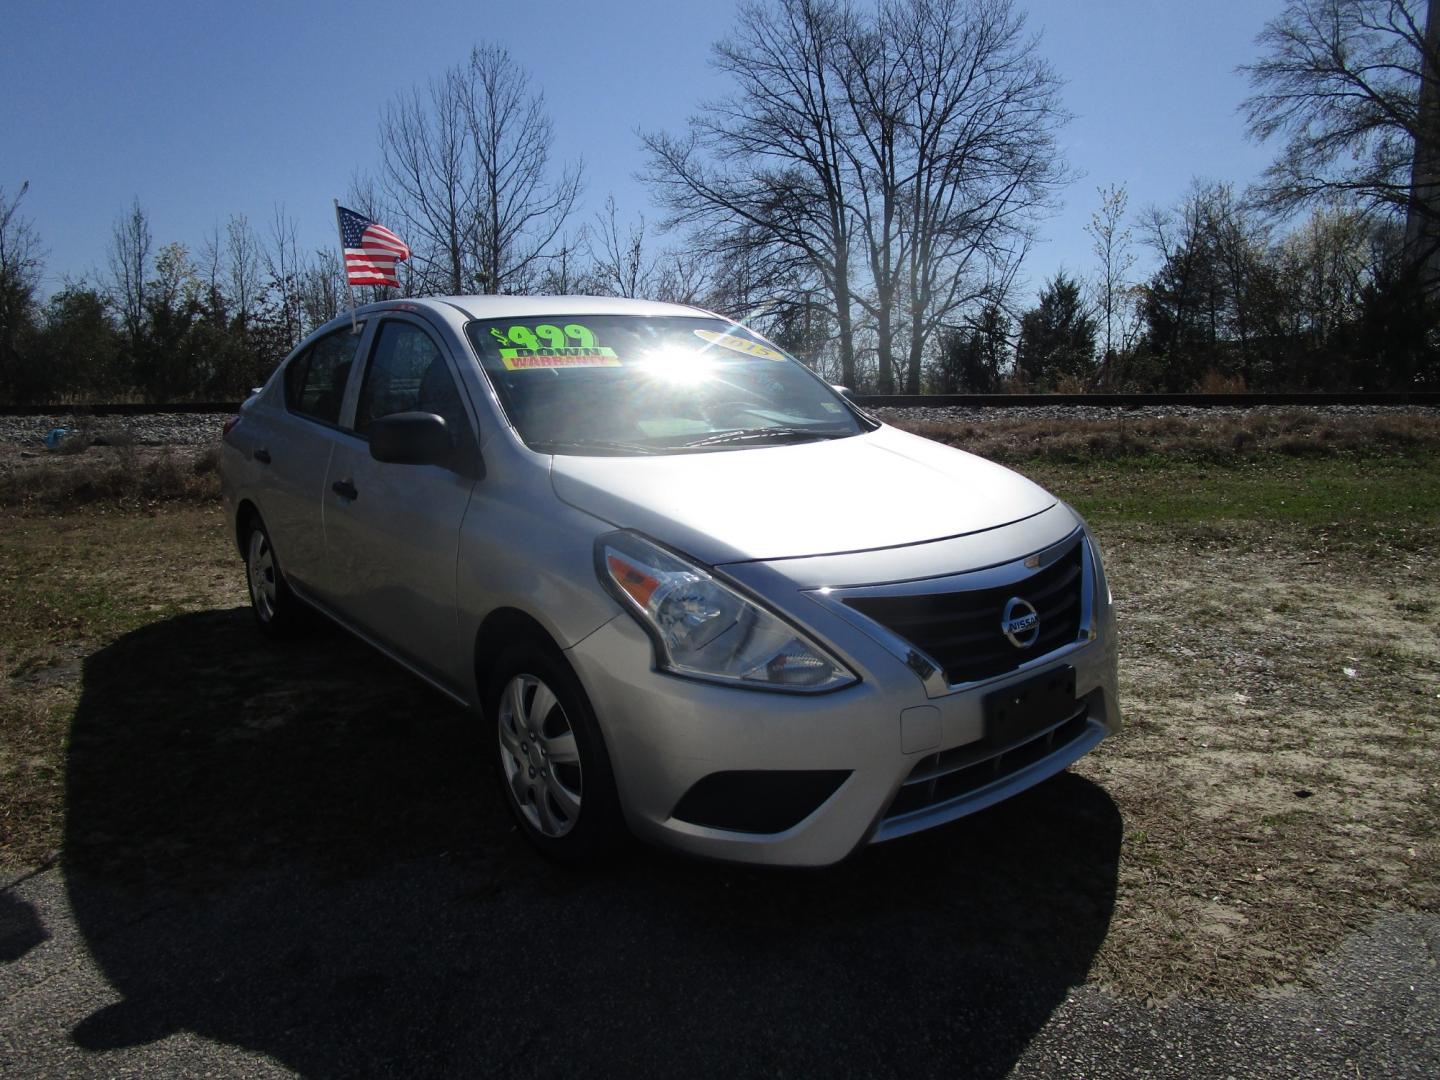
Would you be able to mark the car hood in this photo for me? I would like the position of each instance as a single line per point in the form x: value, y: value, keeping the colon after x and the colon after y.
x: 885, y: 488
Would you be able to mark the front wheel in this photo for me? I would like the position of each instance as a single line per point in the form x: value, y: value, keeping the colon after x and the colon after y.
x: 552, y: 760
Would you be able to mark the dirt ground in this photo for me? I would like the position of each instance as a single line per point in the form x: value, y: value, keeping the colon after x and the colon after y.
x: 1279, y: 774
x: 1278, y: 779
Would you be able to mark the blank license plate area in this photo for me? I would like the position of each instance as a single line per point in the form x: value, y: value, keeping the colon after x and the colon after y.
x: 1014, y: 714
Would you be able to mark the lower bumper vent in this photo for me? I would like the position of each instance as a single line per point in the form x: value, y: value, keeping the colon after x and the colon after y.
x: 953, y: 774
x: 760, y: 801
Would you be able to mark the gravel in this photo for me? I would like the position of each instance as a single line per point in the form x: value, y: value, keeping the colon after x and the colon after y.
x: 151, y: 429
x: 198, y: 429
x: 1019, y: 414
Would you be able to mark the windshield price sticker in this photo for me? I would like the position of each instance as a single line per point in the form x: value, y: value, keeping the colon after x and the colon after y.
x: 740, y: 345
x: 545, y: 335
x: 524, y: 359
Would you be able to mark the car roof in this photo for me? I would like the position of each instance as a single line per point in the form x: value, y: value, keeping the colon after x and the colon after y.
x: 502, y: 306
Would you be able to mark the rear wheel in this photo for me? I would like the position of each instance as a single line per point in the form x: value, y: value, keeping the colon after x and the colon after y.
x: 551, y: 757
x: 276, y: 609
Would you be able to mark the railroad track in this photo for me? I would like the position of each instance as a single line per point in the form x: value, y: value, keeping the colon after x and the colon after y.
x: 930, y: 401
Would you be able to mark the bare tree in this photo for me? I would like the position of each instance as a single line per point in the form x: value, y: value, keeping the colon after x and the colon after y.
x: 243, y: 265
x: 1110, y: 241
x: 282, y: 263
x: 1241, y: 244
x: 922, y: 136
x: 1422, y: 214
x: 981, y: 136
x: 19, y: 246
x: 521, y: 211
x: 622, y: 265
x: 321, y: 289
x: 427, y: 173
x: 19, y: 279
x: 176, y: 282
x: 129, y: 258
x: 1183, y: 288
x: 876, y: 95
x: 683, y: 276
x: 1341, y: 81
x: 465, y: 168
x: 764, y: 169
x: 1323, y: 269
x: 569, y: 268
x: 211, y: 268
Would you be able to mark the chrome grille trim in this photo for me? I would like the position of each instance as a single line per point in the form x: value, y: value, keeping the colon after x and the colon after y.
x: 1015, y: 572
x: 1019, y: 767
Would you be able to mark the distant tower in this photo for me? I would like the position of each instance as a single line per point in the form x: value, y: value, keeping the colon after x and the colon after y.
x: 1422, y: 217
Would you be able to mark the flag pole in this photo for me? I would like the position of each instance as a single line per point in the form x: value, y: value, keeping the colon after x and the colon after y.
x: 354, y: 324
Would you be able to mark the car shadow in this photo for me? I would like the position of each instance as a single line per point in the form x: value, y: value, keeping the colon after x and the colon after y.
x: 302, y: 851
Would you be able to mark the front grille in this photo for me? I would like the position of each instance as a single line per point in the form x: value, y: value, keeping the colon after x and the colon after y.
x: 961, y: 631
x: 952, y: 774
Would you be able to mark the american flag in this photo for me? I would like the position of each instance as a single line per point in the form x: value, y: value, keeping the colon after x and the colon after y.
x: 371, y: 250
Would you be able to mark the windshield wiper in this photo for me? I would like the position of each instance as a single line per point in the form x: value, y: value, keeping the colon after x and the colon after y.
x: 601, y: 446
x: 763, y: 435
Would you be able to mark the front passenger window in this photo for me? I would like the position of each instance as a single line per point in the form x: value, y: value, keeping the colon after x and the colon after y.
x: 407, y: 373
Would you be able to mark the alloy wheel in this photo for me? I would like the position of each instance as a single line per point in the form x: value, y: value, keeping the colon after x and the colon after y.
x: 260, y: 564
x: 539, y: 755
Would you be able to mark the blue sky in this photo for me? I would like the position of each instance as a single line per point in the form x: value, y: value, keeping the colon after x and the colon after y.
x: 205, y: 110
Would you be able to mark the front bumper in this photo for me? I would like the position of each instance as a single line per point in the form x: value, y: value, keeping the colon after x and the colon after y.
x: 665, y: 734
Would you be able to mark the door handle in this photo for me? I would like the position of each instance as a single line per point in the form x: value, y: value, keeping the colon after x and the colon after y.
x: 345, y: 489
x: 262, y: 455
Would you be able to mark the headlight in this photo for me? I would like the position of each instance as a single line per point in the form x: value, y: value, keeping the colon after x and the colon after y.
x: 705, y: 629
x: 1100, y: 578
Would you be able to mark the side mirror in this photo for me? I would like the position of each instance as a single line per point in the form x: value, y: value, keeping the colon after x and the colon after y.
x: 843, y: 391
x: 410, y: 438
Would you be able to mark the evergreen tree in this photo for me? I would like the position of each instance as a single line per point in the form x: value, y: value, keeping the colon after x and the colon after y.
x: 972, y: 359
x: 1057, y: 337
x: 82, y: 348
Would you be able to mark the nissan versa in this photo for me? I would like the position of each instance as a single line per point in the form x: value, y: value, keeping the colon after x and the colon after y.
x: 692, y: 590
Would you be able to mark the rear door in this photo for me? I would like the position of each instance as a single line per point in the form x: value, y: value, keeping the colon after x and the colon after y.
x: 392, y: 532
x: 292, y: 449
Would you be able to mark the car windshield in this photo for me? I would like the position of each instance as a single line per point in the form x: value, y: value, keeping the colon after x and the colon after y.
x: 625, y: 384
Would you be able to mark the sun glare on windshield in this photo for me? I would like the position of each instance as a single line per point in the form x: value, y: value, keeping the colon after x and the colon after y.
x: 677, y: 365
x: 614, y: 384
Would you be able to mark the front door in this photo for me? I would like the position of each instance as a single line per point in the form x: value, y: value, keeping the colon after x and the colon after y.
x: 392, y: 532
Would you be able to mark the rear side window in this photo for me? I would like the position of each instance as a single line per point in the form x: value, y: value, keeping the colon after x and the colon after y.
x: 315, y: 380
x: 408, y: 373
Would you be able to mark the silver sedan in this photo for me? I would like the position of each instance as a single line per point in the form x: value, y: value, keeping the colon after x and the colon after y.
x: 696, y: 595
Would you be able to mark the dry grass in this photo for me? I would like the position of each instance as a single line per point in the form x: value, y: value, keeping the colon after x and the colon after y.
x: 68, y: 585
x: 1215, y: 382
x: 118, y: 473
x: 1218, y: 438
x: 1279, y: 774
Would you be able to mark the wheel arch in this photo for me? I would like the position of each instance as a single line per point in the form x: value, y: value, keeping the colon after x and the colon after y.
x: 245, y: 513
x: 505, y: 626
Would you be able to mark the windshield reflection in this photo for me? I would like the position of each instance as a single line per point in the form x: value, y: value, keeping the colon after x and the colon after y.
x: 622, y: 385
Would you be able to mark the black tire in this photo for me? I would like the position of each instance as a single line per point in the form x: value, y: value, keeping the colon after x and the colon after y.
x: 567, y: 808
x: 277, y: 613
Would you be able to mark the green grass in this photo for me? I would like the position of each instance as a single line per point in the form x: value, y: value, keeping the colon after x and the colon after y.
x: 69, y: 585
x: 97, y: 575
x: 1377, y: 494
